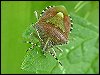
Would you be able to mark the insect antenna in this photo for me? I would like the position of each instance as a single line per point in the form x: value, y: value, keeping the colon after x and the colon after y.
x: 36, y: 14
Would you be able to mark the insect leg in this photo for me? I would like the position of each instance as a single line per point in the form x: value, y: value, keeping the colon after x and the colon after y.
x: 34, y: 33
x: 29, y: 48
x: 54, y: 55
x: 31, y: 44
x: 59, y: 49
x: 45, y: 46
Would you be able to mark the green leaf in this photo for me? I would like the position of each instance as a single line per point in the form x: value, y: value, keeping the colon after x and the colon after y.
x: 79, y: 56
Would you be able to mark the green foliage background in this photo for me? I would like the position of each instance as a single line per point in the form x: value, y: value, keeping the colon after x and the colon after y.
x: 81, y: 55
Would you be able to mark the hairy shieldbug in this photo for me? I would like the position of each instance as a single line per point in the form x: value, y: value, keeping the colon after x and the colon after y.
x: 52, y: 28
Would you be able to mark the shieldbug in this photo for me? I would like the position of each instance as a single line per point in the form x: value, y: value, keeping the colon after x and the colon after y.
x: 52, y: 28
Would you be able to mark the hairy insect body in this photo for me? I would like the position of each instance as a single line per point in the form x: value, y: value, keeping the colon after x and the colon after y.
x: 55, y: 25
x: 53, y: 28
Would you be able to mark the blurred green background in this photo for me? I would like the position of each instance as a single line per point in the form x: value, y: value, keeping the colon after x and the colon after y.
x: 16, y: 16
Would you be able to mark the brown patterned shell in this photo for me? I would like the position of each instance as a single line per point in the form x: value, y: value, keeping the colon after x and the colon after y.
x: 54, y: 27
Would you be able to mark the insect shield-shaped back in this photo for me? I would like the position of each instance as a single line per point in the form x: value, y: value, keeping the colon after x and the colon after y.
x: 54, y: 26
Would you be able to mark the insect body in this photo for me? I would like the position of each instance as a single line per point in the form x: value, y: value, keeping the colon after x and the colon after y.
x: 53, y: 28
